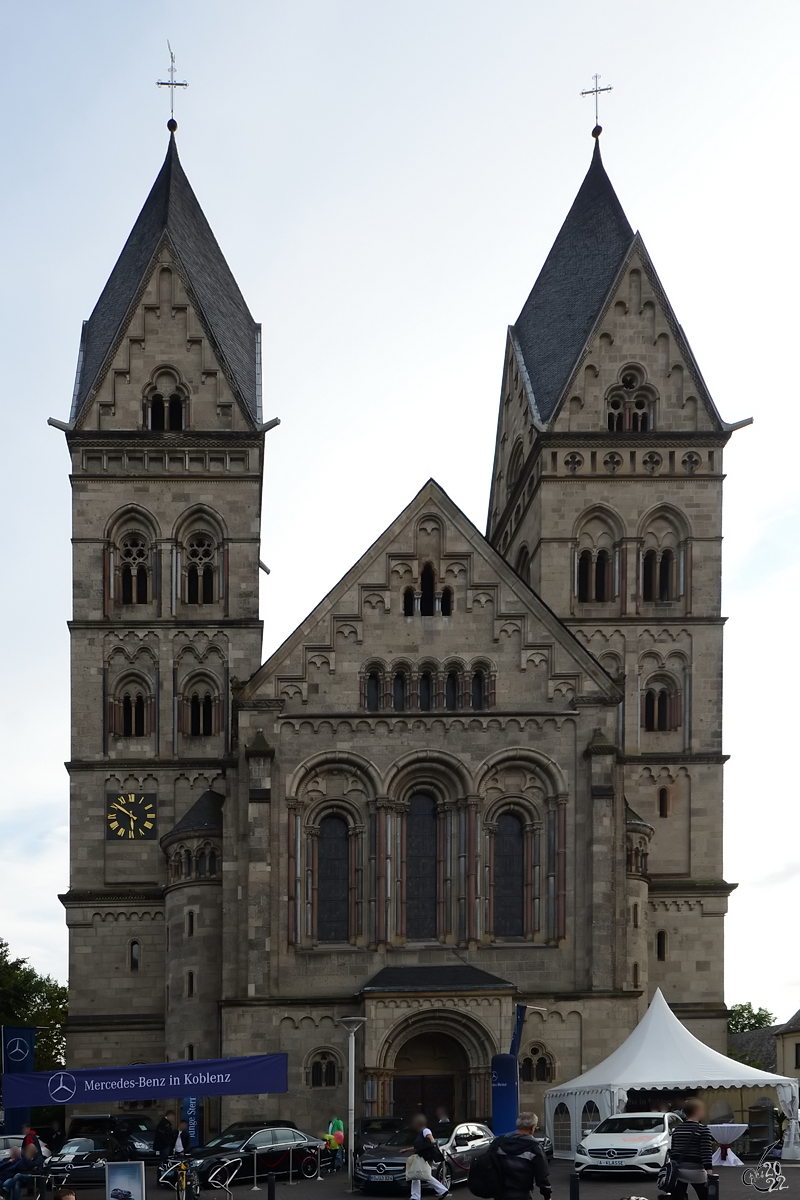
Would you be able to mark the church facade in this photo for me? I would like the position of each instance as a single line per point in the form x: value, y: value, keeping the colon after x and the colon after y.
x: 485, y: 771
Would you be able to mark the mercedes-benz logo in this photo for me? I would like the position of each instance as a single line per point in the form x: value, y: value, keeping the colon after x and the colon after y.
x: 62, y: 1087
x: 611, y: 1154
x: 381, y: 1167
x: 17, y: 1049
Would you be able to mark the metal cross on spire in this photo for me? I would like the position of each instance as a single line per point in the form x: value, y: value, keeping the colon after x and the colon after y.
x: 595, y: 91
x: 171, y: 83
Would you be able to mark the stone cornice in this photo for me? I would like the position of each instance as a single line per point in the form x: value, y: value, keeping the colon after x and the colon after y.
x: 715, y: 760
x: 166, y: 623
x: 126, y: 896
x: 633, y: 441
x: 144, y: 439
x: 151, y: 763
x: 86, y: 1022
x: 665, y: 886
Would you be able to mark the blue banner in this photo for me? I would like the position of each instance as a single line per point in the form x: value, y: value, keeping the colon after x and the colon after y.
x: 518, y: 1023
x: 257, y: 1073
x: 505, y: 1093
x: 19, y: 1044
x: 190, y: 1113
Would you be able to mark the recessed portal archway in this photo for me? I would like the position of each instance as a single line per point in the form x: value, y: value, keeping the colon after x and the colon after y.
x: 431, y: 1074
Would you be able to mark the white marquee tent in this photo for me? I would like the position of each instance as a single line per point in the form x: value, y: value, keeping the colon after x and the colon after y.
x: 660, y: 1053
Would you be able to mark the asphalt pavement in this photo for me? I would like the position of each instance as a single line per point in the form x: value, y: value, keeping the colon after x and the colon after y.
x: 620, y: 1187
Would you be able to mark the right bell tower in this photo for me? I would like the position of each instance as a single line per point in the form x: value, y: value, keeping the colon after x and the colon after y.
x: 607, y: 499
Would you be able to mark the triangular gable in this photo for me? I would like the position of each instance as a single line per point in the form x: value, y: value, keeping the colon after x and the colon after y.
x: 433, y: 497
x: 172, y: 215
x: 638, y: 248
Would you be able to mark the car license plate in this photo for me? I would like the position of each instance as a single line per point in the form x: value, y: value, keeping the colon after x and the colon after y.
x: 381, y: 1179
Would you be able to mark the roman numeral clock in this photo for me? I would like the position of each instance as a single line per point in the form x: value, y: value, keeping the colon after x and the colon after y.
x: 132, y: 816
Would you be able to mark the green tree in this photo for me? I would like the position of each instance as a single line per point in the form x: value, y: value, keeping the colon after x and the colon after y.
x: 28, y: 998
x: 742, y: 1017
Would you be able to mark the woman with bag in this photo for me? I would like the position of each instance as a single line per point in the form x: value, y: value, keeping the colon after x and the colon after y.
x: 418, y: 1164
x: 690, y: 1154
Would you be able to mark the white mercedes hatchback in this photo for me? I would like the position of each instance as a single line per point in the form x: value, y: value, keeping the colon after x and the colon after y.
x: 628, y: 1142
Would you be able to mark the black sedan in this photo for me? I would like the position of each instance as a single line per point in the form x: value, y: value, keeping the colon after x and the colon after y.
x: 384, y: 1168
x: 81, y: 1162
x: 244, y: 1150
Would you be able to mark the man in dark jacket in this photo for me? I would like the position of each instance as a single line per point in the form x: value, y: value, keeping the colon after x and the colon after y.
x: 164, y: 1140
x: 27, y: 1167
x: 522, y: 1161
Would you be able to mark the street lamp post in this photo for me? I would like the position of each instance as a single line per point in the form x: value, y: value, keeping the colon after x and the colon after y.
x: 352, y: 1025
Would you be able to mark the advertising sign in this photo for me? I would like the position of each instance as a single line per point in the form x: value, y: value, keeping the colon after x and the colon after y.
x: 190, y: 1113
x: 19, y: 1044
x: 125, y: 1181
x: 256, y: 1073
x: 505, y: 1093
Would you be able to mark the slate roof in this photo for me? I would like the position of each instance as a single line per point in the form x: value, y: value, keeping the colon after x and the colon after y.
x: 205, y: 816
x: 791, y: 1026
x: 172, y: 212
x: 758, y: 1045
x: 557, y: 317
x: 435, y: 979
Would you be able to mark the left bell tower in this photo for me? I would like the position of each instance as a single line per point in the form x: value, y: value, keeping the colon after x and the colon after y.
x: 166, y: 444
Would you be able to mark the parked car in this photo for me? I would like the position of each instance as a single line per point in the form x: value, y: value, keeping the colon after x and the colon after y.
x: 373, y: 1131
x: 546, y: 1144
x: 7, y: 1140
x: 635, y: 1142
x: 270, y: 1145
x: 81, y: 1161
x: 384, y: 1169
x: 137, y: 1133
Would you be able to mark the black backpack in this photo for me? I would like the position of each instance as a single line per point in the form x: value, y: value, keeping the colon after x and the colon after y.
x: 485, y: 1177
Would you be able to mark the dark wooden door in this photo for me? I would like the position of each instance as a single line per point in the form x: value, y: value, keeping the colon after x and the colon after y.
x: 423, y: 1093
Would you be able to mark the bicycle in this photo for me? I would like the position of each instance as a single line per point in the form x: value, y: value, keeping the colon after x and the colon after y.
x: 184, y: 1179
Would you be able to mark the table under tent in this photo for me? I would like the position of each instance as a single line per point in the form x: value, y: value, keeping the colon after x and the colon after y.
x: 660, y: 1054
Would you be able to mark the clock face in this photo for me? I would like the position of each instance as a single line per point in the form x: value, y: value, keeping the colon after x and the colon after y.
x: 130, y: 816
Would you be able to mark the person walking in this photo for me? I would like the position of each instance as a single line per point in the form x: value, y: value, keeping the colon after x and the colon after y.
x: 164, y: 1140
x: 335, y: 1145
x: 521, y: 1161
x: 692, y: 1147
x: 427, y: 1149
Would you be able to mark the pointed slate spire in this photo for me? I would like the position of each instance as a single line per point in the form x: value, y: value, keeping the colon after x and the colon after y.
x: 171, y: 212
x: 573, y: 283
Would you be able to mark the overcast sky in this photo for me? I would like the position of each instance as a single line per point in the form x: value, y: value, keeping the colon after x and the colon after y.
x: 385, y: 179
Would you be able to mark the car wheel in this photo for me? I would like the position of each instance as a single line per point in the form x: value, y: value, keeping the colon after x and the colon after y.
x: 308, y: 1166
x: 445, y: 1176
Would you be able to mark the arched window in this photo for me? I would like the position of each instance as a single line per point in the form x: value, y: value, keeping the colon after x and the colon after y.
x: 425, y: 691
x: 190, y: 924
x: 478, y: 690
x: 537, y: 1066
x: 399, y: 692
x: 663, y: 802
x: 590, y: 1117
x: 636, y: 975
x: 649, y: 576
x: 201, y: 864
x: 523, y: 558
x: 190, y: 1052
x: 447, y: 602
x: 134, y: 954
x: 175, y: 413
x: 602, y: 576
x: 188, y: 864
x: 208, y: 714
x: 562, y: 1129
x: 333, y: 882
x: 636, y: 916
x: 373, y: 691
x: 427, y: 600
x: 133, y: 569
x: 126, y: 577
x: 133, y: 715
x: 200, y: 569
x: 323, y: 1072
x: 408, y: 602
x: 138, y: 716
x: 509, y: 882
x: 584, y: 575
x: 661, y: 709
x: 212, y: 863
x: 127, y: 715
x: 514, y: 467
x: 201, y: 714
x: 190, y: 983
x: 157, y: 414
x: 661, y: 946
x: 194, y: 711
x: 451, y: 691
x: 421, y: 867
x: 665, y: 574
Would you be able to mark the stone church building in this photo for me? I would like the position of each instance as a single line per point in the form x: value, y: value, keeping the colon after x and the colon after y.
x: 486, y: 770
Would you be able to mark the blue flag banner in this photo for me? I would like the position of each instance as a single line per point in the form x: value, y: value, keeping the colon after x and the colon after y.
x: 257, y: 1073
x: 518, y: 1023
x: 505, y: 1093
x: 19, y: 1044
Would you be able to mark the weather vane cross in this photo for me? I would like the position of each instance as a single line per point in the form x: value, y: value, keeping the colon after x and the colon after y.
x: 171, y: 83
x: 595, y: 91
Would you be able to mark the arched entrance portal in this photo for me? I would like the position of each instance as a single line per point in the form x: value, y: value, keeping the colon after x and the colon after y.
x: 431, y: 1075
